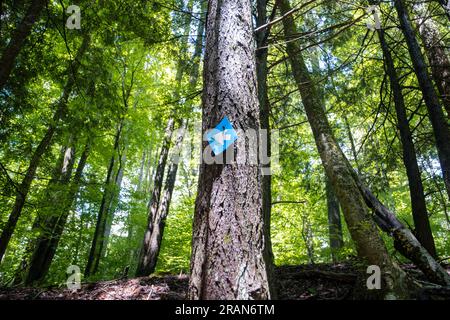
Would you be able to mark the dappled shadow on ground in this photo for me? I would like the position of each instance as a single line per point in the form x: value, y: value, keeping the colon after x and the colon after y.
x: 305, y: 282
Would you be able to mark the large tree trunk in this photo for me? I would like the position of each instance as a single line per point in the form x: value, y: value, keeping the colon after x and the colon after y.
x: 416, y: 191
x: 228, y: 243
x: 18, y: 38
x: 435, y: 112
x: 53, y: 226
x: 334, y: 222
x: 362, y: 229
x: 436, y: 53
x: 156, y: 223
x: 43, y: 146
x: 264, y: 107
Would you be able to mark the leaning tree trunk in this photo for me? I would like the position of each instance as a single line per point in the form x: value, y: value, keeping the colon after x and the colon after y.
x: 228, y: 243
x: 18, y: 38
x: 437, y: 55
x: 24, y: 187
x: 416, y: 191
x: 435, y: 112
x: 53, y: 226
x: 362, y: 229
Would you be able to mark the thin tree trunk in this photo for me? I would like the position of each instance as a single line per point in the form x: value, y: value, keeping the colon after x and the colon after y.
x: 159, y: 220
x: 98, y: 242
x: 114, y: 199
x: 152, y: 240
x: 435, y: 112
x: 437, y: 55
x: 54, y: 225
x: 264, y: 107
x: 362, y: 229
x: 228, y: 243
x: 416, y: 191
x: 143, y: 267
x: 43, y: 146
x: 334, y: 222
x: 18, y: 38
x: 46, y: 209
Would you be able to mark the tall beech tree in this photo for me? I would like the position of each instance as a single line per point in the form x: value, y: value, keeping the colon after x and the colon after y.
x: 228, y: 242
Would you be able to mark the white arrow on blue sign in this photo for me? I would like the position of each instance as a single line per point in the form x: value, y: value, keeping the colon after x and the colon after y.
x: 222, y: 136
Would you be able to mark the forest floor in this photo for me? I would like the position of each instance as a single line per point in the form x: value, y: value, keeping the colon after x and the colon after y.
x: 304, y: 282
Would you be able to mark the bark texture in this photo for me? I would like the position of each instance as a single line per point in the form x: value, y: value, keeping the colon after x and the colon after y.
x: 228, y: 243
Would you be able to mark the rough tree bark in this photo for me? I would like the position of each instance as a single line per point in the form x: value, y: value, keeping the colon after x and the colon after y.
x: 18, y: 38
x: 436, y: 53
x: 416, y: 191
x: 435, y: 112
x: 24, y: 187
x: 53, y: 226
x: 228, y: 243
